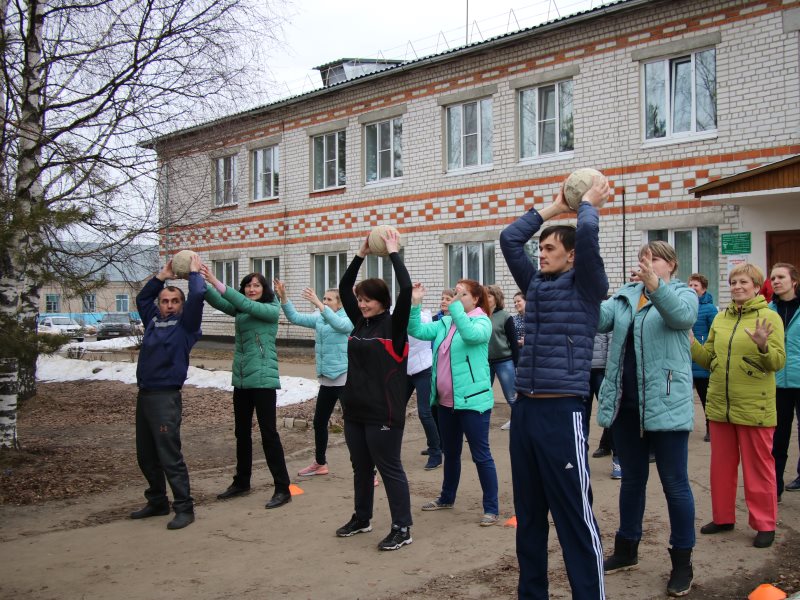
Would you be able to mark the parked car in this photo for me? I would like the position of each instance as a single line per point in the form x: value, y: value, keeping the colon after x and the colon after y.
x: 115, y: 325
x: 62, y: 326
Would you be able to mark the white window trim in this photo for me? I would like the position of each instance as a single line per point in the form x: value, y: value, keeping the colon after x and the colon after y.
x: 469, y: 170
x: 386, y: 180
x: 275, y: 163
x: 682, y: 136
x: 547, y: 158
x: 262, y: 259
x: 464, y: 261
x: 234, y: 173
x: 337, y: 185
x: 558, y: 154
x: 446, y: 137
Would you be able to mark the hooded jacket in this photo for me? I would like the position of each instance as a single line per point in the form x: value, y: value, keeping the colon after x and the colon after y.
x: 705, y: 316
x: 741, y: 389
x: 331, y: 330
x: 469, y: 355
x: 789, y: 376
x: 661, y: 344
x: 255, y: 359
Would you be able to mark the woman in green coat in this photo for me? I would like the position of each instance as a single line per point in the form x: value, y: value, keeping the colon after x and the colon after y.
x: 255, y: 378
x: 743, y: 350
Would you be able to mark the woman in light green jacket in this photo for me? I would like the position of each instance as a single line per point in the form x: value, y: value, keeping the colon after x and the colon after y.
x: 462, y: 389
x: 255, y: 378
x: 743, y: 350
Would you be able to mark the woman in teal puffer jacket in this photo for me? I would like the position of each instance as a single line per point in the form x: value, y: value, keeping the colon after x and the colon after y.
x: 462, y: 389
x: 255, y: 378
x: 332, y: 328
x: 647, y: 400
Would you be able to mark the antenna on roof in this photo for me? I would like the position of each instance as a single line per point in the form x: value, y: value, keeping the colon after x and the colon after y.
x: 511, y: 13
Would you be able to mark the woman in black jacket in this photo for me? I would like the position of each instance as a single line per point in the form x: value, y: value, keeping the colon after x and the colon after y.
x: 374, y: 398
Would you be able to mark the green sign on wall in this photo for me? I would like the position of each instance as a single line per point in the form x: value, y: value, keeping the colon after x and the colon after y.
x: 736, y: 243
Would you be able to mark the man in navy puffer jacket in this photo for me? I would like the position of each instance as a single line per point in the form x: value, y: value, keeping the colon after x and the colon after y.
x: 172, y: 327
x: 548, y: 444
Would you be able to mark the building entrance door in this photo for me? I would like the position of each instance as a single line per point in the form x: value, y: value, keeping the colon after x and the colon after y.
x: 783, y: 246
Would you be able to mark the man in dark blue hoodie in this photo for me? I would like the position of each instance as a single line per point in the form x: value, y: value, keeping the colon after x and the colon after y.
x: 548, y: 440
x: 172, y: 326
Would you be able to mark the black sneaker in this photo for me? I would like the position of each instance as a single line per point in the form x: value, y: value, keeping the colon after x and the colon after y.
x: 794, y: 486
x: 397, y: 537
x: 601, y: 452
x: 353, y: 527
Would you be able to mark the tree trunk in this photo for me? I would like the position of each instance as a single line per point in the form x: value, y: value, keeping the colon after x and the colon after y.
x: 8, y: 403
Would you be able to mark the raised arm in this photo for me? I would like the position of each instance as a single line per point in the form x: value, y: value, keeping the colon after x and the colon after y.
x: 472, y: 331
x: 349, y: 302
x: 402, y: 307
x: 512, y: 242
x: 214, y: 290
x: 192, y: 315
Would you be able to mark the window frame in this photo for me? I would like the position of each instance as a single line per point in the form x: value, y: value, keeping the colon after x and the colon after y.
x: 393, y: 150
x: 481, y: 105
x: 258, y: 263
x: 376, y: 267
x: 485, y: 277
x: 713, y: 278
x: 559, y: 153
x: 89, y: 303
x: 218, y: 162
x: 668, y: 79
x: 122, y: 302
x: 257, y: 171
x: 340, y: 160
x: 226, y: 270
x: 339, y: 259
x: 52, y: 303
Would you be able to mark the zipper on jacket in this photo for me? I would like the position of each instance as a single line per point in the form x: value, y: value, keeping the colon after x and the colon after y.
x: 752, y: 363
x: 260, y: 345
x: 471, y: 374
x: 644, y: 380
x: 570, y: 357
x: 728, y: 368
x: 669, y: 381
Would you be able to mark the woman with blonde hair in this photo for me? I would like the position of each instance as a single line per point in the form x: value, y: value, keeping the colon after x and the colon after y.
x: 743, y: 350
x: 646, y: 399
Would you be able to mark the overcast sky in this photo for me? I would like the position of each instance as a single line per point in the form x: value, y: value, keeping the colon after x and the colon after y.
x: 321, y: 31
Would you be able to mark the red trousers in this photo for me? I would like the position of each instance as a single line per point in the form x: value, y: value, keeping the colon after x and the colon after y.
x: 754, y: 445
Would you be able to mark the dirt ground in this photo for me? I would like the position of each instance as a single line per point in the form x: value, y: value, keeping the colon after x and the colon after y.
x: 65, y: 497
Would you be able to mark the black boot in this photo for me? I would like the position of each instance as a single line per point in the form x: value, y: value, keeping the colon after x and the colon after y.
x: 680, y: 579
x: 626, y: 555
x: 151, y: 510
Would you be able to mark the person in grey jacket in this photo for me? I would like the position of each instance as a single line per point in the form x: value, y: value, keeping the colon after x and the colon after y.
x: 648, y: 401
x: 332, y: 328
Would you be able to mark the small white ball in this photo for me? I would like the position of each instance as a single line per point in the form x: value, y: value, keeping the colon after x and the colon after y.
x: 577, y: 184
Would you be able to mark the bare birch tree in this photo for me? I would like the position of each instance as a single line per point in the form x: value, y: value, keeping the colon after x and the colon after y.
x: 84, y: 83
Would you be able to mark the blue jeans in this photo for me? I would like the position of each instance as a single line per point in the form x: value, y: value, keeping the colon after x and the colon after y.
x: 507, y: 373
x: 422, y: 383
x: 454, y: 425
x: 672, y: 451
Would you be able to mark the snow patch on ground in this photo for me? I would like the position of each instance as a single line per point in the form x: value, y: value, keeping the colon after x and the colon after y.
x: 56, y: 368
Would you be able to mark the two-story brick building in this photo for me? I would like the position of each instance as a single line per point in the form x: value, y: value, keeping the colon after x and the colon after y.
x: 663, y: 97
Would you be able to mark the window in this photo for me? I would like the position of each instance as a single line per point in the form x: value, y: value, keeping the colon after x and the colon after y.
x: 697, y: 250
x: 265, y: 173
x: 52, y: 303
x: 469, y: 134
x: 329, y: 160
x: 224, y: 177
x: 121, y: 301
x: 545, y: 120
x: 227, y: 271
x: 89, y: 303
x: 384, y: 154
x: 328, y: 270
x: 268, y: 267
x: 381, y: 267
x: 473, y: 260
x: 680, y: 95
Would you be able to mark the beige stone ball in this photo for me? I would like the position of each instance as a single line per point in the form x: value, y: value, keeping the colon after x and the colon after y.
x: 376, y: 244
x: 577, y: 184
x: 181, y: 263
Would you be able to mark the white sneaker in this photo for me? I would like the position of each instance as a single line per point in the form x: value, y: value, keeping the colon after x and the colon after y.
x: 506, y: 426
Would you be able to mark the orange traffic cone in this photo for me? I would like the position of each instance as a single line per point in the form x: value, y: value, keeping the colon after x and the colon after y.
x: 767, y: 591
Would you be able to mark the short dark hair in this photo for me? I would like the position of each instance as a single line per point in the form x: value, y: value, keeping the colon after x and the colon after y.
x: 267, y: 295
x: 173, y: 289
x: 375, y: 289
x: 563, y: 233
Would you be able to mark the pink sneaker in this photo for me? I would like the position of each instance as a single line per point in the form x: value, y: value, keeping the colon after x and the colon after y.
x: 313, y: 469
